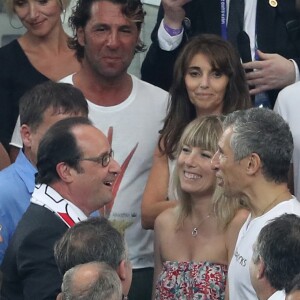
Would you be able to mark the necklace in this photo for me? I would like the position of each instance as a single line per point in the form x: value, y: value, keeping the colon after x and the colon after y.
x: 195, y: 229
x: 269, y: 206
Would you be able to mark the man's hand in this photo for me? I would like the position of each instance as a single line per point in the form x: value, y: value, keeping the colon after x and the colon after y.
x: 272, y: 71
x: 174, y: 13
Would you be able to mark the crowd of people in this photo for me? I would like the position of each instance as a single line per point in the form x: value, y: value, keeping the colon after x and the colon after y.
x: 179, y: 185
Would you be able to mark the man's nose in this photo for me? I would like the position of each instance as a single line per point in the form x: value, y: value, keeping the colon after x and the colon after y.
x: 215, y: 161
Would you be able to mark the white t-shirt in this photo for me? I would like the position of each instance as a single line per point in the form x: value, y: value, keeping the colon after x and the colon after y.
x: 135, y: 123
x: 240, y: 286
x: 278, y: 295
x: 288, y: 106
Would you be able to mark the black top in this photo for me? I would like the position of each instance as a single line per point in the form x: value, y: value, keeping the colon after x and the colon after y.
x: 29, y: 268
x: 17, y: 75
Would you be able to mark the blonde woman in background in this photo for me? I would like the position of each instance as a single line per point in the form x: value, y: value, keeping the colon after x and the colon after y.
x: 194, y: 241
x: 40, y: 54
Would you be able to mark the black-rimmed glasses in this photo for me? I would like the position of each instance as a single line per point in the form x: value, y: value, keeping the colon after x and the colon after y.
x: 102, y: 159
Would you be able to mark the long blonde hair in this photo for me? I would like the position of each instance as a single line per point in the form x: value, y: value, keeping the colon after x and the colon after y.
x: 204, y: 132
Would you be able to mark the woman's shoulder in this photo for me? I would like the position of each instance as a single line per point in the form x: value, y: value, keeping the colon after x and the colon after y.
x: 11, y: 48
x: 11, y: 55
x: 167, y: 218
x: 238, y: 221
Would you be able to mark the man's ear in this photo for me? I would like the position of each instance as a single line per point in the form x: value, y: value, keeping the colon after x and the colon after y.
x: 80, y: 36
x: 121, y: 270
x: 59, y: 296
x: 261, y: 267
x: 26, y: 135
x: 65, y: 172
x: 253, y: 164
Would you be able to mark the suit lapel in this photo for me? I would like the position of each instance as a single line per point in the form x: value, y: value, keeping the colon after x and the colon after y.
x: 265, y: 25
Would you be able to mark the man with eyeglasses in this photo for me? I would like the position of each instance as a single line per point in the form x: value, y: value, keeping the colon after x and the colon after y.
x: 76, y: 172
x: 39, y: 108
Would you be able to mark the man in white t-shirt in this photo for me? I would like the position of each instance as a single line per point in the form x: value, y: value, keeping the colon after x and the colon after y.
x: 253, y: 161
x: 129, y: 110
x: 276, y: 259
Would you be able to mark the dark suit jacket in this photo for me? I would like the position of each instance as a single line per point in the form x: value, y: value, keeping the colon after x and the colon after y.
x: 29, y: 269
x: 205, y: 16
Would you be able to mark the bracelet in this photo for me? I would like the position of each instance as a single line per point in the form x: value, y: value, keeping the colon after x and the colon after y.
x: 172, y: 31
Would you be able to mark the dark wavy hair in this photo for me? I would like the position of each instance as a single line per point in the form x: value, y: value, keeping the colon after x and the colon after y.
x: 81, y: 14
x: 224, y: 58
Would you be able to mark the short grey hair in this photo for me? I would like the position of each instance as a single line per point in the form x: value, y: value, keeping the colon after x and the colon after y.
x: 264, y: 132
x: 105, y: 285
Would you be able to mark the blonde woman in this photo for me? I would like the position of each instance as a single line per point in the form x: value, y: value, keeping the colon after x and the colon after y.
x: 194, y: 241
x: 42, y: 53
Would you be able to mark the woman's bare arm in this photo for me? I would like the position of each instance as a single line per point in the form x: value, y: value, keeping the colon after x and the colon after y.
x: 156, y: 191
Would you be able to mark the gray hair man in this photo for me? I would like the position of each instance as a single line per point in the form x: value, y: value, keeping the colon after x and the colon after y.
x: 252, y: 162
x: 91, y: 281
x: 94, y: 239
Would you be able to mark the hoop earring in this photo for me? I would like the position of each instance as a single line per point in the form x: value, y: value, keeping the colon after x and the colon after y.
x: 11, y: 24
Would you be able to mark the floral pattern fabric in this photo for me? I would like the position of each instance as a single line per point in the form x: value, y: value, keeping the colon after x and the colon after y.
x: 191, y: 281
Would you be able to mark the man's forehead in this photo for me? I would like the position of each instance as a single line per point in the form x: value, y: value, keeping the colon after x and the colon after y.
x: 90, y: 137
x: 105, y: 10
x: 225, y: 137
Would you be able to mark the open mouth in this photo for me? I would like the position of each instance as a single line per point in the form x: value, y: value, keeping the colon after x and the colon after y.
x: 108, y: 183
x: 191, y: 175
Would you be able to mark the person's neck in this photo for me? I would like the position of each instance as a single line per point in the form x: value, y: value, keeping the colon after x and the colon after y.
x: 103, y: 91
x: 265, y: 196
x: 215, y: 111
x: 201, y: 207
x: 29, y: 155
x: 52, y: 43
x: 266, y: 292
x: 64, y: 190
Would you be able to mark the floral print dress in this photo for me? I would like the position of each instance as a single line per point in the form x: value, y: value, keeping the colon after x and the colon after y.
x: 191, y: 281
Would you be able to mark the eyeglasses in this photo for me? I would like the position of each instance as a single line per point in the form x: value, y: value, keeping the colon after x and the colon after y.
x: 104, y: 159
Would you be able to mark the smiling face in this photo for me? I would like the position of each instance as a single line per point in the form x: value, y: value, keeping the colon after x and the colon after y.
x: 206, y: 87
x: 39, y: 17
x: 93, y: 184
x: 195, y: 174
x: 109, y: 40
x: 229, y: 172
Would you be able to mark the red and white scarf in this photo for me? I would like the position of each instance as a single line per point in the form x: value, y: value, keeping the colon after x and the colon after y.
x: 46, y: 196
